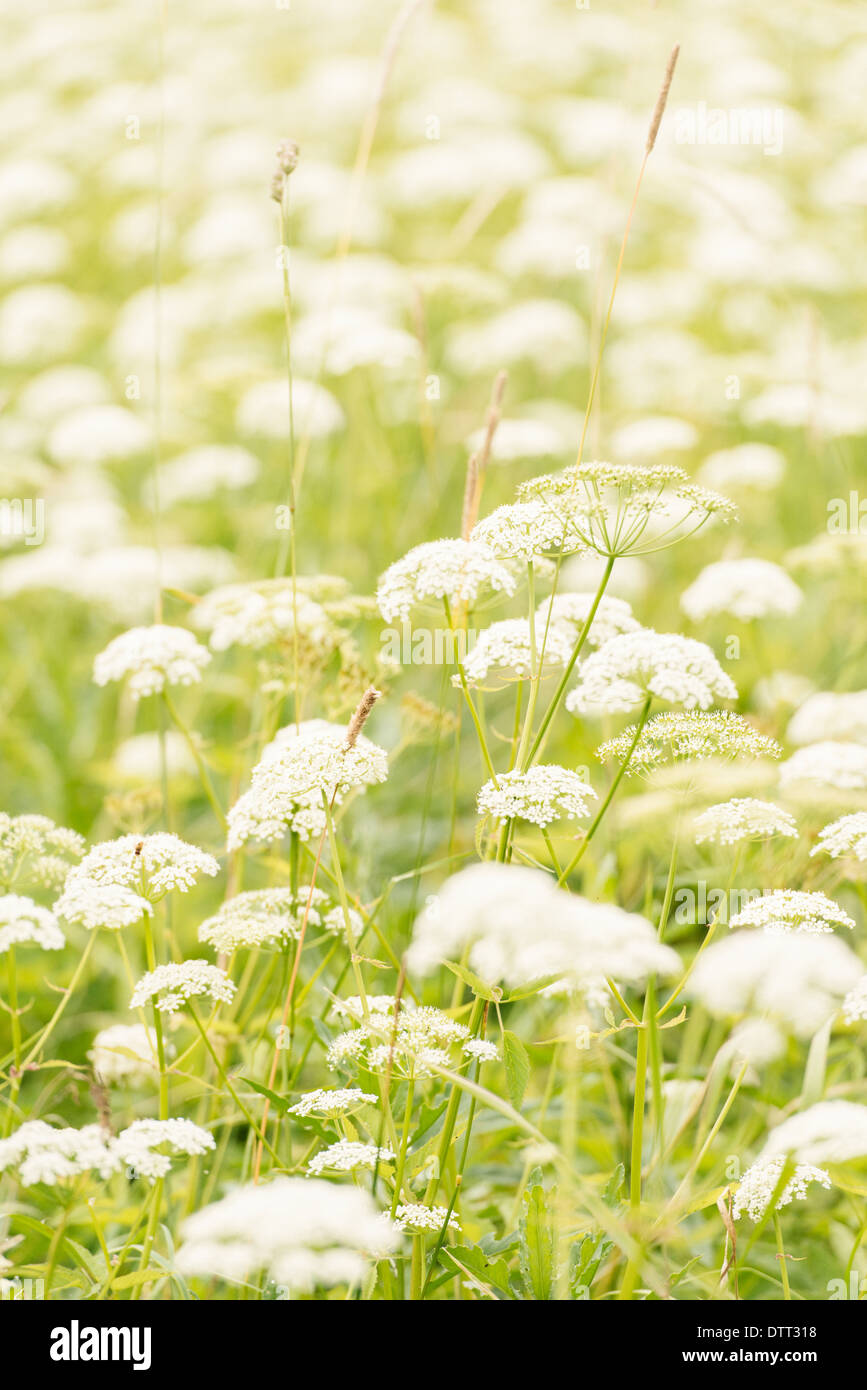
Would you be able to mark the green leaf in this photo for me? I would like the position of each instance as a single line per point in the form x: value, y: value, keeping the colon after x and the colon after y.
x: 517, y: 1064
x: 281, y: 1102
x: 488, y: 1277
x: 492, y: 993
x: 140, y: 1276
x: 537, y: 1244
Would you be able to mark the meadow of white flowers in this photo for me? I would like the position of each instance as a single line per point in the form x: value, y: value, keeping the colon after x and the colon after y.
x: 433, y: 725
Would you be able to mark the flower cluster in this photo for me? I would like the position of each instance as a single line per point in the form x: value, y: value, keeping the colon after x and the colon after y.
x: 117, y: 881
x: 124, y: 1052
x: 789, y: 911
x: 628, y: 669
x: 42, y: 1154
x: 152, y: 658
x: 745, y: 589
x: 846, y: 837
x: 455, y: 570
x: 347, y: 1155
x: 743, y: 818
x: 271, y: 917
x: 570, y: 612
x: 841, y: 766
x: 23, y: 922
x: 34, y: 849
x: 504, y: 653
x: 540, y: 795
x: 760, y: 1182
x: 404, y: 1040
x: 686, y: 737
x: 330, y: 1104
x: 170, y: 986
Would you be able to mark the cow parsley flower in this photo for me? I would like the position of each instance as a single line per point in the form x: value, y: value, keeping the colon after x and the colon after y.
x: 271, y: 917
x: 297, y: 771
x: 417, y: 1219
x: 758, y: 1184
x: 523, y: 530
x: 304, y: 1233
x: 844, y: 838
x: 406, y: 1043
x: 798, y: 979
x: 35, y: 850
x: 743, y: 588
x: 503, y: 653
x: 684, y: 737
x: 757, y: 467
x: 117, y: 881
x: 842, y: 766
x: 152, y: 658
x: 260, y: 614
x: 789, y: 911
x: 570, y: 612
x: 346, y: 1156
x: 170, y: 986
x: 743, y: 818
x: 541, y: 795
x: 827, y: 714
x: 628, y: 509
x: 330, y: 1104
x: 480, y: 1050
x: 124, y: 1052
x: 456, y: 570
x: 22, y: 922
x: 855, y: 1003
x: 142, y: 1145
x: 628, y: 669
x: 513, y: 924
x: 832, y: 1131
x: 42, y: 1153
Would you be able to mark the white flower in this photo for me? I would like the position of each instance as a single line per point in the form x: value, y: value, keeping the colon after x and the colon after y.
x: 346, y: 1155
x: 44, y: 1154
x: 98, y: 434
x: 515, y: 925
x: 258, y: 615
x: 406, y: 1044
x: 622, y: 673
x: 743, y: 588
x: 480, y: 1050
x: 523, y: 530
x: 613, y: 616
x: 298, y: 771
x: 456, y: 570
x: 541, y: 794
x: 197, y: 474
x: 758, y: 1184
x: 152, y: 658
x: 23, y: 922
x: 264, y: 409
x: 272, y: 917
x: 520, y: 439
x: 844, y: 837
x: 743, y: 818
x: 137, y: 759
x: 790, y: 911
x: 832, y: 1131
x: 128, y: 873
x: 503, y: 652
x: 839, y: 765
x: 330, y: 1104
x: 799, y: 979
x: 125, y: 1051
x: 416, y: 1219
x: 302, y: 1232
x: 141, y: 1146
x: 169, y: 986
x: 753, y: 466
x: 674, y: 737
x: 855, y: 1003
x: 757, y: 1041
x: 825, y: 714
x: 34, y: 848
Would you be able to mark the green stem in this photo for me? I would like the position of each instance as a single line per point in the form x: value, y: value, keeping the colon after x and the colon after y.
x: 781, y: 1257
x: 204, y: 775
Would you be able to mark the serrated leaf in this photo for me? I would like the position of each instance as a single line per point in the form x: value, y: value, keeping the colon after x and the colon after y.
x: 489, y: 1277
x: 479, y: 986
x: 517, y: 1063
x: 537, y: 1244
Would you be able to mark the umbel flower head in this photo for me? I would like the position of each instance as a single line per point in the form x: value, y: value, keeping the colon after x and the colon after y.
x: 844, y: 838
x: 525, y: 530
x: 798, y: 979
x: 744, y: 589
x: 625, y: 671
x: 456, y: 570
x: 675, y: 737
x: 416, y: 1219
x: 266, y: 613
x: 626, y: 509
x: 832, y: 1131
x: 743, y: 818
x: 305, y: 1233
x: 124, y: 1052
x: 142, y: 1146
x: 541, y: 795
x: 347, y: 1155
x: 756, y: 1188
x: 570, y: 612
x: 151, y: 658
x: 43, y: 1154
x: 396, y: 1037
x: 331, y: 1104
x: 855, y: 1003
x: 117, y: 881
x: 514, y: 925
x: 830, y: 714
x: 503, y: 653
x: 271, y: 917
x: 22, y: 922
x: 34, y: 850
x: 300, y: 770
x: 841, y: 766
x: 170, y: 986
x: 787, y: 910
